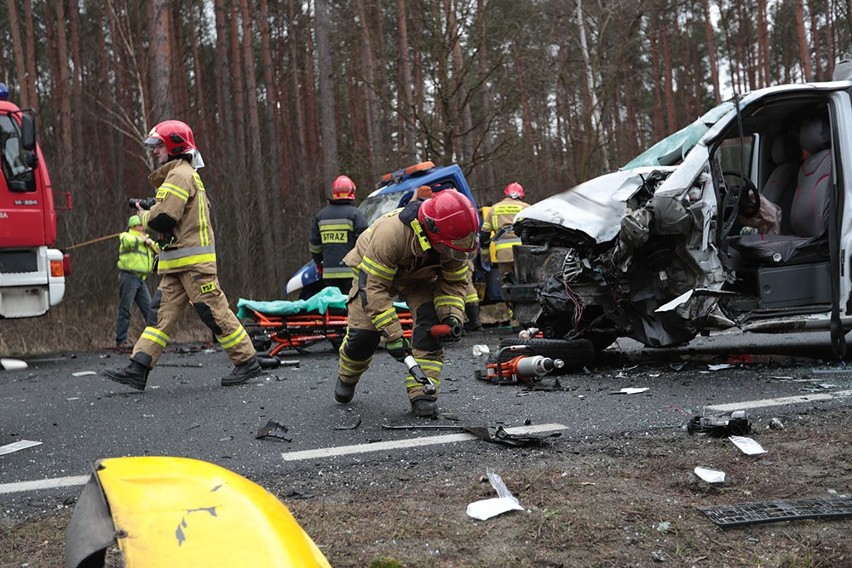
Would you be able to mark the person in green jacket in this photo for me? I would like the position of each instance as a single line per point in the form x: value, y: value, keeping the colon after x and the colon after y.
x: 136, y: 254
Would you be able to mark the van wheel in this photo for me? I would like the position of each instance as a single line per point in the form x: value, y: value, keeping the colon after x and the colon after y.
x: 575, y: 353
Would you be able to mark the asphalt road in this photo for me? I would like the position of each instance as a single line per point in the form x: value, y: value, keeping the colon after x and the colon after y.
x: 185, y: 412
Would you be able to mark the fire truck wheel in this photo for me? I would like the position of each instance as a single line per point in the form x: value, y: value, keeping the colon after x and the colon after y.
x: 576, y: 353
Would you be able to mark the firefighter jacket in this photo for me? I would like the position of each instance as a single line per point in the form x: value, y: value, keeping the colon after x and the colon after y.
x: 134, y: 255
x: 394, y: 255
x: 333, y: 234
x: 182, y: 214
x: 502, y: 214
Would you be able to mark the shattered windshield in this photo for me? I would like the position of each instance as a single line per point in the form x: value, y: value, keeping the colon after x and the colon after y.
x: 672, y: 149
x: 377, y: 205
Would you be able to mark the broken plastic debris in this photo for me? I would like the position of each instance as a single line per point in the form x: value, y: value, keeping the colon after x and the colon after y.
x: 736, y: 423
x: 776, y: 424
x: 480, y: 350
x: 631, y: 390
x: 710, y: 475
x: 12, y: 364
x: 273, y: 429
x: 487, y: 508
x: 719, y: 367
x: 16, y: 446
x: 83, y: 373
x: 747, y: 445
x: 528, y: 333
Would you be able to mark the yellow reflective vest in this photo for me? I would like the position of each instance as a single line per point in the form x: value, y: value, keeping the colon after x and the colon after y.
x: 134, y: 255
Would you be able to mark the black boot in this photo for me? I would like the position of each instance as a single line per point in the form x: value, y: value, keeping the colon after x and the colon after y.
x: 424, y: 406
x: 242, y: 373
x: 343, y: 392
x: 472, y: 312
x: 135, y: 375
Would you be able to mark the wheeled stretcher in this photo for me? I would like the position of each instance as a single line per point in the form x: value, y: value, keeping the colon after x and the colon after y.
x: 296, y: 325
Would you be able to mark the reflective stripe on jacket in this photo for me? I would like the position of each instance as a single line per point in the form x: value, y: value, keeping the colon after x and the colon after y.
x: 333, y: 234
x: 502, y: 215
x: 181, y: 196
x: 391, y: 257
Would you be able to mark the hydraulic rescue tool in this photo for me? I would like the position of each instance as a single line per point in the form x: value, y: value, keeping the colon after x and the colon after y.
x: 440, y: 330
x: 520, y: 368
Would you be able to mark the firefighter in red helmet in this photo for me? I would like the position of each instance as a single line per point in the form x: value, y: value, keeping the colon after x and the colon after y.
x: 420, y: 253
x: 187, y: 264
x: 499, y: 220
x: 333, y: 234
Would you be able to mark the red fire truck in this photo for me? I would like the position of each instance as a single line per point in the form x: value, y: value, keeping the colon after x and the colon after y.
x: 32, y: 272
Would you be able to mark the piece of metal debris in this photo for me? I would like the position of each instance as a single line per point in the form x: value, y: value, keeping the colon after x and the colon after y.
x: 83, y: 373
x: 17, y: 446
x: 736, y: 423
x: 351, y: 426
x: 273, y: 429
x: 500, y: 436
x: 776, y: 424
x: 772, y: 511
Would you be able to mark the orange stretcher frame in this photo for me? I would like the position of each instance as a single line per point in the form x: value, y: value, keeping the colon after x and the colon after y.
x: 299, y: 331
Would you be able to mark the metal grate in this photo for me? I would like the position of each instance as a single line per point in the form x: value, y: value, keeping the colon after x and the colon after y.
x: 772, y: 511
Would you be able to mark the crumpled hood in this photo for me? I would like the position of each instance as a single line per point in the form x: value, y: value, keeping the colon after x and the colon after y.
x: 595, y: 207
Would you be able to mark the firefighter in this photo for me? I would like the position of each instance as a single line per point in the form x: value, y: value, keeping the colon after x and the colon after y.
x: 499, y: 221
x: 333, y: 234
x: 421, y: 253
x: 136, y: 254
x: 187, y: 265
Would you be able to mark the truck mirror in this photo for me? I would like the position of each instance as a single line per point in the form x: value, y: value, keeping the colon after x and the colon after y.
x: 28, y: 133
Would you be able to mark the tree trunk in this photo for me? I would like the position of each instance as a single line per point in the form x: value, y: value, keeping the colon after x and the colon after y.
x: 62, y: 87
x: 161, y: 56
x: 763, y: 45
x: 224, y: 90
x: 31, y: 75
x: 18, y: 51
x: 405, y: 111
x: 804, y: 56
x: 459, y: 88
x: 77, y: 77
x: 709, y: 36
x: 325, y: 69
x: 812, y: 11
x: 373, y: 126
x: 488, y: 177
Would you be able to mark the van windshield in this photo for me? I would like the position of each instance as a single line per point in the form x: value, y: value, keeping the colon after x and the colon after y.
x: 377, y: 205
x: 671, y: 150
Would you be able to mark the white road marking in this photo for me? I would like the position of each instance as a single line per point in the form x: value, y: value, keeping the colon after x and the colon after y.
x: 778, y: 401
x: 408, y: 443
x: 21, y: 486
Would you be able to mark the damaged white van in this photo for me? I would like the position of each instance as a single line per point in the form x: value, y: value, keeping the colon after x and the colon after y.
x: 742, y: 219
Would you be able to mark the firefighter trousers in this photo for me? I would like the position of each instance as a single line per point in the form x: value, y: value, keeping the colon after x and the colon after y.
x: 362, y: 339
x: 175, y: 291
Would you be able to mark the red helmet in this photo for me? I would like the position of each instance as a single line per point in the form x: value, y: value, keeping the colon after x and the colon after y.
x: 450, y: 221
x: 343, y: 188
x: 176, y: 135
x: 514, y: 190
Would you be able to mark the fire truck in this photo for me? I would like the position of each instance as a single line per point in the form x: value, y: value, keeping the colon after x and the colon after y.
x: 32, y: 272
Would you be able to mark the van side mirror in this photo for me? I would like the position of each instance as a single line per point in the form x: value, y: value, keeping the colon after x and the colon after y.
x: 28, y: 133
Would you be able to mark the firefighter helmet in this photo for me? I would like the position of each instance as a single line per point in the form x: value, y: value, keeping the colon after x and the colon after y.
x: 176, y: 135
x: 514, y: 190
x: 343, y: 188
x: 450, y: 221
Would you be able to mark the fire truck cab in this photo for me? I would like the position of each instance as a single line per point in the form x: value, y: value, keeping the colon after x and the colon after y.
x: 32, y: 272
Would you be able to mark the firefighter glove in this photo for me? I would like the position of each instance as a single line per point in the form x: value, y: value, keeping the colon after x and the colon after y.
x: 398, y: 348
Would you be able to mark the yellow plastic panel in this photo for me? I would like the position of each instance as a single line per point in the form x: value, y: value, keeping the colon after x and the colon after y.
x: 172, y: 511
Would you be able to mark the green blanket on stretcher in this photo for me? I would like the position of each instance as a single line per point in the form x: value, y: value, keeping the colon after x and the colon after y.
x: 319, y: 303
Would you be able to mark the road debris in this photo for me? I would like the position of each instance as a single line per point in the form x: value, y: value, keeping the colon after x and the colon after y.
x: 710, y: 475
x: 274, y: 429
x: 12, y: 364
x: 741, y: 514
x: 747, y: 445
x: 776, y: 424
x: 631, y: 390
x: 17, y: 446
x: 500, y: 436
x: 351, y: 426
x: 736, y: 423
x: 504, y: 502
x: 83, y: 373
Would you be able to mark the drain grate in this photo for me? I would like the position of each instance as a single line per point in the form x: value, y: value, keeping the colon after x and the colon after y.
x: 772, y: 511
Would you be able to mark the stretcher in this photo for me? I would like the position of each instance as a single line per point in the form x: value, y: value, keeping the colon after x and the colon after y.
x: 296, y: 325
